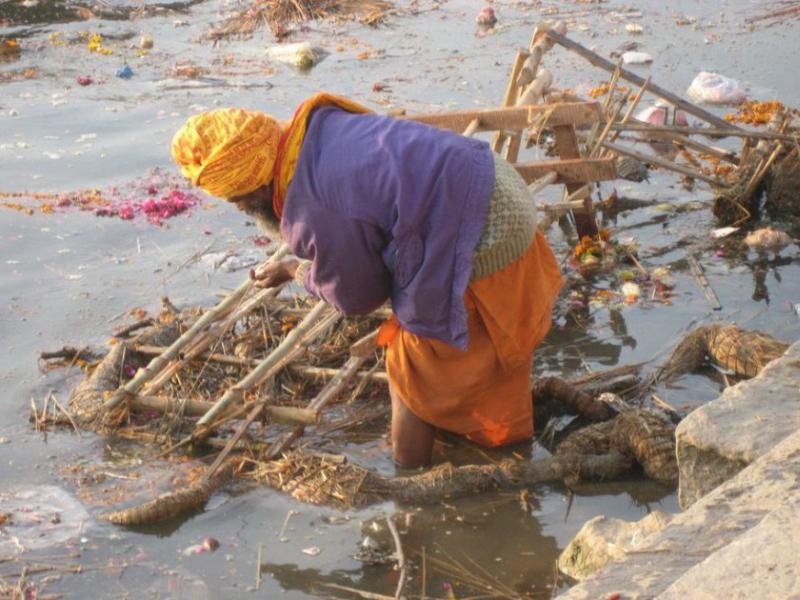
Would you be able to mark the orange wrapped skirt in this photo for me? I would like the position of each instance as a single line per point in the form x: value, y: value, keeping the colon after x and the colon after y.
x: 485, y: 392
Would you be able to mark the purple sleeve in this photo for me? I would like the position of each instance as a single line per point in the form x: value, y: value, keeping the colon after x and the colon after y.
x: 347, y: 270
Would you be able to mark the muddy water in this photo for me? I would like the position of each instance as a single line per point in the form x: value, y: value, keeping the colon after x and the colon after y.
x: 67, y: 277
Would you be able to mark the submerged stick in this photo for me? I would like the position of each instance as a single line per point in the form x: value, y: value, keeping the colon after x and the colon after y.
x: 700, y: 277
x: 157, y: 364
x: 401, y: 557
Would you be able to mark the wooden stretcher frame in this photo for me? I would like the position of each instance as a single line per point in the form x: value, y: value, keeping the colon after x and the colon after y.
x: 510, y: 121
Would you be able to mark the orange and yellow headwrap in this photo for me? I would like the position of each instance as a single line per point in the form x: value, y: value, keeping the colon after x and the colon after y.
x: 228, y: 152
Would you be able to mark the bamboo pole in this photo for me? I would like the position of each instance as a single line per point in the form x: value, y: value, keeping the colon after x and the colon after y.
x: 309, y: 371
x: 360, y: 351
x: 510, y: 96
x: 607, y: 65
x: 158, y: 363
x: 666, y: 164
x: 594, y: 152
x: 212, y: 356
x: 267, y: 367
x: 304, y: 370
x: 291, y: 415
x: 631, y: 108
x: 472, y: 128
x: 541, y: 183
x: 612, y: 86
x: 209, y: 337
x: 708, y: 131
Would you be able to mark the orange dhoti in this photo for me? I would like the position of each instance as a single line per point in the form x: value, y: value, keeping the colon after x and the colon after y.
x: 485, y: 392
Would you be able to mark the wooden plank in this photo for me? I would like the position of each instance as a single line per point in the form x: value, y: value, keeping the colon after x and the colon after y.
x: 571, y: 172
x: 510, y: 96
x: 513, y: 117
x: 607, y: 65
x: 567, y: 148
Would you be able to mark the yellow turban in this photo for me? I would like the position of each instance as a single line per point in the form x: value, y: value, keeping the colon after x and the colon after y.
x: 227, y: 152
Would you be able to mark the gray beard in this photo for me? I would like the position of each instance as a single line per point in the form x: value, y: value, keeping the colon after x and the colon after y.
x: 265, y: 221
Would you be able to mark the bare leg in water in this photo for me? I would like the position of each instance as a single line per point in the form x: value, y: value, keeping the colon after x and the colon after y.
x: 412, y: 438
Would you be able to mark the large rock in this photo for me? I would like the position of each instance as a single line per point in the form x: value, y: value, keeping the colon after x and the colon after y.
x: 702, y: 533
x: 719, y: 439
x: 764, y: 558
x: 604, y: 539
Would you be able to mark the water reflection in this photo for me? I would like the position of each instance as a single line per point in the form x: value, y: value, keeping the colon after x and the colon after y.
x: 484, y: 545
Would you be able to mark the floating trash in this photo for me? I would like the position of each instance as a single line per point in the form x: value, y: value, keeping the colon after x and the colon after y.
x: 768, y: 239
x: 209, y: 544
x: 714, y: 88
x: 486, y: 17
x: 636, y: 58
x: 84, y: 80
x: 662, y: 113
x: 301, y: 55
x: 125, y: 72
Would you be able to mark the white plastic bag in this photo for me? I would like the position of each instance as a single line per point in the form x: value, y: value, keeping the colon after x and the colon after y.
x: 636, y: 58
x: 714, y: 88
x: 301, y: 54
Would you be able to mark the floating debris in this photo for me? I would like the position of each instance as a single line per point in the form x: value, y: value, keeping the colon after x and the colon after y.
x: 756, y: 113
x: 486, y: 17
x: 662, y: 113
x: 301, y: 55
x: 768, y: 240
x: 277, y: 14
x: 125, y: 72
x: 157, y: 197
x: 636, y: 58
x: 713, y: 88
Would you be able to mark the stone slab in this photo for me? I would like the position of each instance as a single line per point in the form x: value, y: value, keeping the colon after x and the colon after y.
x: 762, y: 563
x: 718, y: 440
x: 716, y: 520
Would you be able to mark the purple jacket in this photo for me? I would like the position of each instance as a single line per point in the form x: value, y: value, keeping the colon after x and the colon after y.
x: 387, y: 208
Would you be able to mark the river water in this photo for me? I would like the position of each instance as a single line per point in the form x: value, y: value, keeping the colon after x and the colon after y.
x: 67, y: 277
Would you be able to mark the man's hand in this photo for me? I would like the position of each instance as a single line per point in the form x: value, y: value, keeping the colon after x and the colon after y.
x: 275, y: 273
